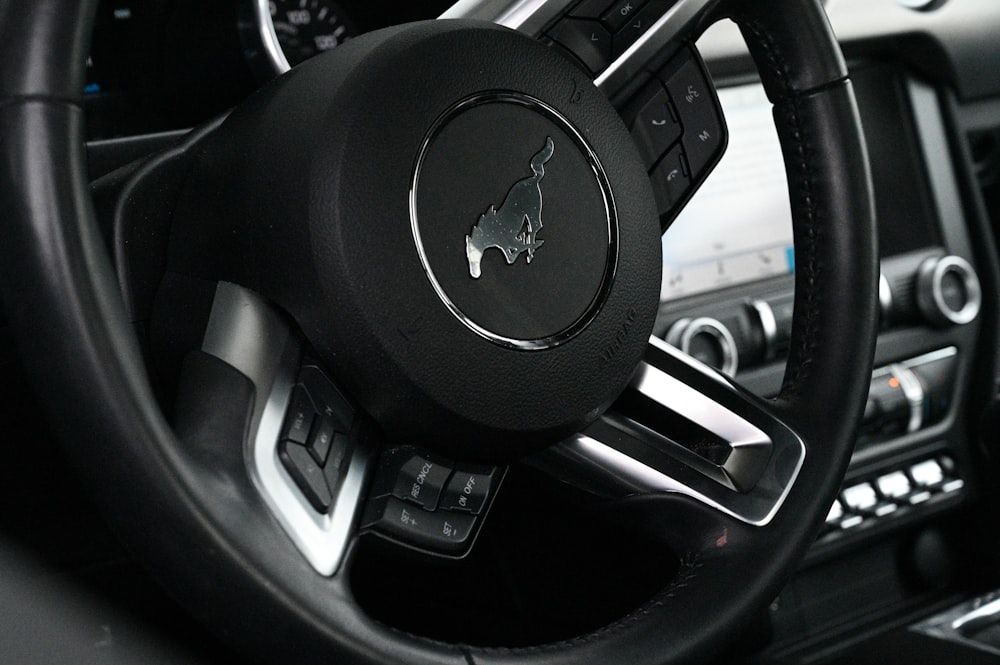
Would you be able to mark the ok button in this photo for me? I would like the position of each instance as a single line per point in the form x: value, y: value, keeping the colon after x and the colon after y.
x: 620, y: 13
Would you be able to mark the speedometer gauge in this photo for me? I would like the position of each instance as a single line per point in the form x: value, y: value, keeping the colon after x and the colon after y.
x: 283, y: 33
x: 307, y: 27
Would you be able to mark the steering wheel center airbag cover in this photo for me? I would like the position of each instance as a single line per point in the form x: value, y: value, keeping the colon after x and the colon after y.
x: 476, y: 261
x: 539, y: 188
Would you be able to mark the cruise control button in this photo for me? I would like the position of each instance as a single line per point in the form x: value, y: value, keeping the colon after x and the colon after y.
x: 301, y: 466
x: 421, y: 480
x: 446, y: 532
x: 467, y: 490
x: 653, y: 126
x: 860, y: 498
x: 298, y: 420
x: 670, y: 180
x: 587, y: 40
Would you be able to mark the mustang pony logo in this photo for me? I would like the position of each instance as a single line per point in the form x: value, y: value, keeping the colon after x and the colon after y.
x: 512, y: 228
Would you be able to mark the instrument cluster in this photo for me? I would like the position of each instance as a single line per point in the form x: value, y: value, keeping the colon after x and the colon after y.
x: 161, y: 65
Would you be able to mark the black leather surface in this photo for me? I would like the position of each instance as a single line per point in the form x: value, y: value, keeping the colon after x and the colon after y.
x: 795, y: 51
x: 205, y: 530
x: 43, y: 49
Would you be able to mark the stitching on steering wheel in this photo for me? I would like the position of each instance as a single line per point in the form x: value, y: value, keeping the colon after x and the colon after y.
x: 806, y: 241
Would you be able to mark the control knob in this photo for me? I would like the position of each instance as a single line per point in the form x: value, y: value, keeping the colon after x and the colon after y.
x: 706, y: 340
x: 948, y: 291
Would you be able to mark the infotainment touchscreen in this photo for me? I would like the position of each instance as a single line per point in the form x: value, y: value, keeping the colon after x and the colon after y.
x: 738, y: 226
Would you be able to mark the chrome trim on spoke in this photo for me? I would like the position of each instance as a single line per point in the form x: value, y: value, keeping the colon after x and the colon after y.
x: 527, y: 16
x: 248, y: 334
x: 609, y: 460
x: 669, y: 27
x: 671, y: 393
x: 645, y: 477
x: 532, y: 16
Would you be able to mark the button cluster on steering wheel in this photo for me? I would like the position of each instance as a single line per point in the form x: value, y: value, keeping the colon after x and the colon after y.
x: 678, y: 126
x: 598, y: 31
x: 428, y: 502
x: 315, y: 439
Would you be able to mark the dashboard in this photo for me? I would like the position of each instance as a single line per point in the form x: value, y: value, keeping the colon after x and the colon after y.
x: 929, y: 100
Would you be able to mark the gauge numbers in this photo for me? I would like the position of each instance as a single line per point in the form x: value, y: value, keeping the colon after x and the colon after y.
x: 305, y: 28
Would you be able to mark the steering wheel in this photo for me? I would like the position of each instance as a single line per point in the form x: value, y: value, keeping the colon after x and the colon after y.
x: 325, y: 235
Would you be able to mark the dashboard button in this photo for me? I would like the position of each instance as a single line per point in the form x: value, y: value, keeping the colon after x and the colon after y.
x: 893, y: 485
x: 927, y: 473
x: 860, y: 498
x: 587, y: 40
x: 308, y: 476
x: 468, y: 489
x: 653, y: 125
x: 446, y: 532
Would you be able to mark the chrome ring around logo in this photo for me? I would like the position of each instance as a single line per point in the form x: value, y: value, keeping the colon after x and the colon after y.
x: 530, y: 243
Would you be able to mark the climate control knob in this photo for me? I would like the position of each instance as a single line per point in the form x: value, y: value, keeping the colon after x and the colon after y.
x: 948, y: 291
x: 706, y: 340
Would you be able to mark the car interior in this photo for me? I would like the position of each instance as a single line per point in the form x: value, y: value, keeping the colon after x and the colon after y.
x: 500, y: 331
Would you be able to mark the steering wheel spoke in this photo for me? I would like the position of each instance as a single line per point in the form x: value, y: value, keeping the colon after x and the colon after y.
x: 682, y: 428
x: 309, y: 451
x: 616, y: 41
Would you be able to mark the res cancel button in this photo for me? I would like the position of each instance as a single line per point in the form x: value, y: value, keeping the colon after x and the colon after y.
x: 467, y: 490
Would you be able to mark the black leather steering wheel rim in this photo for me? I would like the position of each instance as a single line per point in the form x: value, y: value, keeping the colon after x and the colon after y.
x: 63, y: 301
